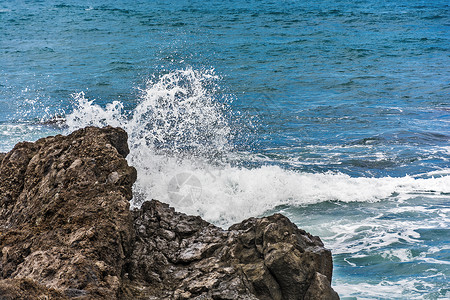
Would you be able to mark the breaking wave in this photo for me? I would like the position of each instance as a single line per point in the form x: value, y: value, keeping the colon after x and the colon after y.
x: 181, y: 136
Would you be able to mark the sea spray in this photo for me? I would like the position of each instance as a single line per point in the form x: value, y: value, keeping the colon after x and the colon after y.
x: 181, y: 129
x: 180, y: 124
x: 86, y: 113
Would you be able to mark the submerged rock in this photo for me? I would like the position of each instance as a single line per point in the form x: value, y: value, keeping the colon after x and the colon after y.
x: 66, y: 232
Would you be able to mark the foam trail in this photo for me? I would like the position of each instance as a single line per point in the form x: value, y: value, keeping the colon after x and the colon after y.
x: 366, y: 291
x: 230, y: 194
x: 180, y: 138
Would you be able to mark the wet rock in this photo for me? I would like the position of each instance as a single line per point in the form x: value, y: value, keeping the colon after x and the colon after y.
x: 66, y: 232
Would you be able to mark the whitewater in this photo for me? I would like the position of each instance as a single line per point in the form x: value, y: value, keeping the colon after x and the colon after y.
x: 180, y: 128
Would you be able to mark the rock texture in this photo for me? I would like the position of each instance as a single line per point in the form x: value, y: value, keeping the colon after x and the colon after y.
x: 64, y: 213
x: 184, y: 257
x: 66, y: 232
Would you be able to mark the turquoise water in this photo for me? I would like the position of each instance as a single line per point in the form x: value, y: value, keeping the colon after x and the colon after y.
x: 336, y: 113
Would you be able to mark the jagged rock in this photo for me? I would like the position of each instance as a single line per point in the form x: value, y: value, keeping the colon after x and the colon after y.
x: 66, y: 232
x: 320, y: 288
x: 176, y: 256
x: 63, y: 224
x: 26, y: 289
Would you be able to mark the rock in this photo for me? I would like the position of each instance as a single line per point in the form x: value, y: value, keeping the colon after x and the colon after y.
x: 320, y: 288
x: 63, y: 225
x: 26, y: 289
x: 176, y: 256
x: 66, y: 232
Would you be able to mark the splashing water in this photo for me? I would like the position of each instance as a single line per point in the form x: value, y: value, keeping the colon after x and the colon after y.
x: 182, y: 126
x: 180, y: 114
x: 86, y: 113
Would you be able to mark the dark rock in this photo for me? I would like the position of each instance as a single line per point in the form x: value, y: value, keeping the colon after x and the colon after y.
x: 26, y: 289
x: 66, y: 232
x: 176, y: 256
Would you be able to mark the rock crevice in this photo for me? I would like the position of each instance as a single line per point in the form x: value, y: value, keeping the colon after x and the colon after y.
x: 67, y: 232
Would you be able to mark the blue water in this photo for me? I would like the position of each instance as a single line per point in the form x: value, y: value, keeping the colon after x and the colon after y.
x: 336, y: 113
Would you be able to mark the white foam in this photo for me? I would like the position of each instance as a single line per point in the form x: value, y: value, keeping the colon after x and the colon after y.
x: 364, y: 237
x: 86, y: 113
x: 180, y: 126
x: 11, y: 134
x: 411, y: 288
x: 403, y: 255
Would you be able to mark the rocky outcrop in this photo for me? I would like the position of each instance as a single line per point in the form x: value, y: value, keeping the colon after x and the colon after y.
x: 185, y: 257
x: 66, y: 232
x: 64, y: 213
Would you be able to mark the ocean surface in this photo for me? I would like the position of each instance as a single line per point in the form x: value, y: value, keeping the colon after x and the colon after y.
x: 335, y: 113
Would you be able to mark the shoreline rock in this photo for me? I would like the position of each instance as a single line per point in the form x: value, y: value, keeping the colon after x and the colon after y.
x: 67, y: 232
x: 64, y: 225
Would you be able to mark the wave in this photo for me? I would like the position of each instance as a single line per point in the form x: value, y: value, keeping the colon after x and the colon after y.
x: 181, y: 142
x: 416, y: 288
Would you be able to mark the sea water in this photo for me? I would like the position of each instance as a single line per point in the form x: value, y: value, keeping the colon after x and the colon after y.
x: 334, y: 113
